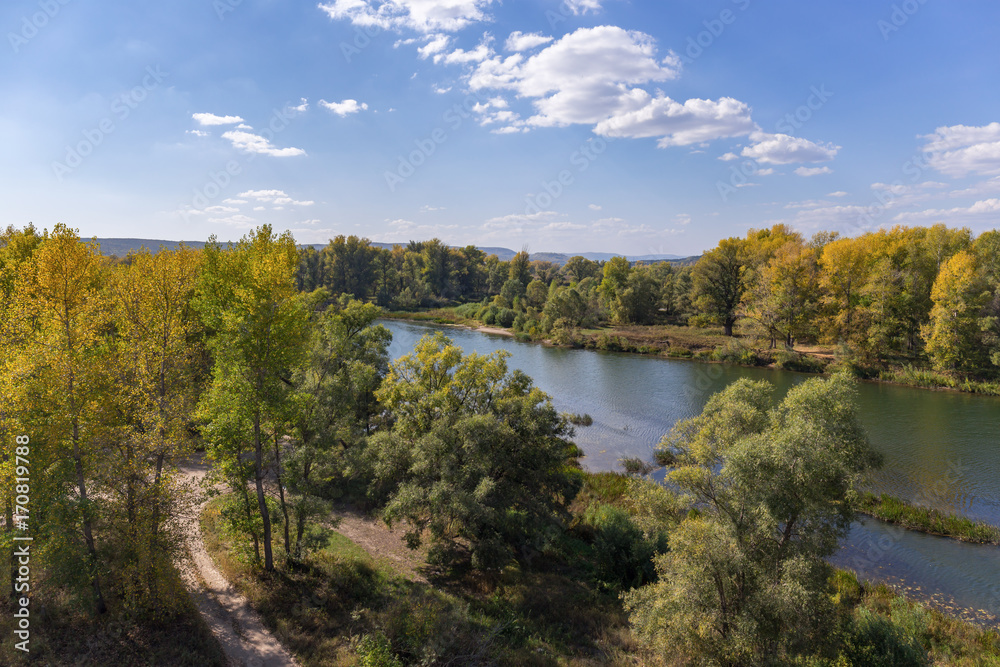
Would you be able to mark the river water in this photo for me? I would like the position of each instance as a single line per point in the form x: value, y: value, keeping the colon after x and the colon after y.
x: 942, y: 449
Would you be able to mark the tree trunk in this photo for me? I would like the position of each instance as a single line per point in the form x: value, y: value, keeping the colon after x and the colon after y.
x: 728, y: 326
x: 281, y: 493
x: 88, y: 532
x: 261, y: 500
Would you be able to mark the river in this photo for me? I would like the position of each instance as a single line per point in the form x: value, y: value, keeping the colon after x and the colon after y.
x: 941, y: 449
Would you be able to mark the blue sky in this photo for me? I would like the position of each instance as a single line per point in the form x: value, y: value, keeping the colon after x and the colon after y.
x: 582, y: 125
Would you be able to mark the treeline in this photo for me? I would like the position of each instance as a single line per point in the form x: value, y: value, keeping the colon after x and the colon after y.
x: 115, y: 370
x: 905, y: 294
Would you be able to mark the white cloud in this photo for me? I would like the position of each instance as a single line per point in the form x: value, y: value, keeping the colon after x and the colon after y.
x: 427, y: 208
x: 583, y: 6
x: 960, y: 150
x: 594, y: 207
x: 274, y: 197
x: 520, y: 41
x: 437, y: 44
x: 838, y: 193
x: 221, y: 209
x: 197, y: 133
x: 302, y: 107
x: 693, y: 122
x: 587, y: 76
x: 786, y: 149
x: 985, y: 208
x: 344, y: 108
x: 811, y: 171
x: 234, y: 201
x: 238, y: 219
x: 212, y: 119
x: 728, y: 157
x: 461, y: 56
x: 244, y: 126
x: 769, y: 171
x: 440, y: 90
x: 424, y: 16
x: 253, y: 143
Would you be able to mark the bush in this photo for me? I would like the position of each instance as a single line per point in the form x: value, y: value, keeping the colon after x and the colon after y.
x: 375, y: 651
x: 736, y: 352
x: 623, y: 557
x: 795, y: 361
x: 505, y: 318
x: 635, y: 466
x: 875, y: 641
x: 679, y: 352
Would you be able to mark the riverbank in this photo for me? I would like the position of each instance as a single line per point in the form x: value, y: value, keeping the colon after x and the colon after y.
x: 709, y: 345
x: 897, y: 511
x: 348, y: 602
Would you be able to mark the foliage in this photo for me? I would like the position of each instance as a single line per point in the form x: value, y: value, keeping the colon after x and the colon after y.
x: 476, y: 454
x: 894, y: 510
x: 745, y: 576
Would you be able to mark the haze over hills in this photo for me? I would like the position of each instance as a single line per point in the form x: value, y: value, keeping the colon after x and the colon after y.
x: 123, y: 246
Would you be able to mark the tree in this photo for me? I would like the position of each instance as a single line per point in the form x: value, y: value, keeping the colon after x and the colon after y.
x: 745, y: 579
x: 953, y: 335
x: 66, y: 358
x: 577, y: 268
x: 348, y: 266
x: 476, y: 454
x: 259, y: 324
x: 519, y: 268
x: 784, y: 293
x: 719, y: 282
x: 334, y: 402
x: 157, y: 353
x: 844, y: 268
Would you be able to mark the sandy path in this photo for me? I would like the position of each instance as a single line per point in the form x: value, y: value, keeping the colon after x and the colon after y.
x: 238, y: 628
x: 380, y: 542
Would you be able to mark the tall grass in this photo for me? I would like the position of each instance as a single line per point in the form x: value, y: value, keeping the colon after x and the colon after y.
x: 895, y: 510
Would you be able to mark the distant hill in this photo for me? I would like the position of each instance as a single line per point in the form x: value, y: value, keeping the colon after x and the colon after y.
x: 122, y: 247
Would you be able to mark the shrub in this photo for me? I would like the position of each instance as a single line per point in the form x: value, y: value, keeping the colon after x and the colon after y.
x: 623, y: 557
x: 375, y: 651
x: 795, y: 361
x: 875, y: 641
x: 679, y: 352
x: 635, y: 466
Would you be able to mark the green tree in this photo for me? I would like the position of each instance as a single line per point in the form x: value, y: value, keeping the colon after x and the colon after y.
x: 259, y: 324
x: 476, y: 455
x: 719, y: 282
x: 745, y: 579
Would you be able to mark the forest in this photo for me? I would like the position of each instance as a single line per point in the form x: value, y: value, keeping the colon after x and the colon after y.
x: 269, y: 361
x: 918, y: 305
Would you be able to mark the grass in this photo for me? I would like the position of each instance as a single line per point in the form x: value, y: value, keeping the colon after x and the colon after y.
x: 947, y: 640
x: 342, y: 606
x: 895, y: 510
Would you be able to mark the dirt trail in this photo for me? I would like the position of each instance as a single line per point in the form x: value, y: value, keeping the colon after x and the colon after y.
x: 380, y: 542
x: 238, y: 628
